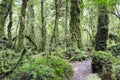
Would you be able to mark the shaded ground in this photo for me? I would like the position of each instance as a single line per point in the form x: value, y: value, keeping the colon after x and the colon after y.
x: 81, y: 69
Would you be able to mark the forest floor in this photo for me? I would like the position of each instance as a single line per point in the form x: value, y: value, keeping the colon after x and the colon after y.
x: 81, y: 69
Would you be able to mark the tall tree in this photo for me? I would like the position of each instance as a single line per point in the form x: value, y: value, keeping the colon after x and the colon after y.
x: 10, y: 22
x: 30, y: 35
x: 75, y: 22
x: 43, y: 30
x: 66, y: 24
x: 55, y: 34
x: 20, y: 45
x: 102, y: 29
x: 4, y: 10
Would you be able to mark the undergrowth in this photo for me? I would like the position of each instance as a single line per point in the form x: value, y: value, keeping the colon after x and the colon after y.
x: 44, y: 68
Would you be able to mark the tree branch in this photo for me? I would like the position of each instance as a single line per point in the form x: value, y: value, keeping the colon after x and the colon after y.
x: 117, y: 15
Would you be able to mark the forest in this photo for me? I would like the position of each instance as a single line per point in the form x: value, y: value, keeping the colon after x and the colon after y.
x: 59, y: 39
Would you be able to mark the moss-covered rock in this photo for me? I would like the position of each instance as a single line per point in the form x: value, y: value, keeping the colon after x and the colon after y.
x: 102, y: 60
x: 93, y: 77
x: 102, y: 63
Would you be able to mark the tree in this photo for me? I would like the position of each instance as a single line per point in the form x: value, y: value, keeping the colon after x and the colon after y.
x: 43, y: 30
x: 75, y: 23
x: 10, y: 22
x: 20, y: 45
x: 55, y: 33
x: 5, y: 7
x: 30, y: 35
x: 66, y: 23
x: 102, y: 29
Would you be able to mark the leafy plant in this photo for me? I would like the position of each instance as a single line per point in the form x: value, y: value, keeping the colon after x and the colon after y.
x: 46, y: 68
x: 116, y: 70
x: 115, y: 50
x: 7, y: 59
x: 74, y: 55
x: 102, y: 63
x: 102, y: 60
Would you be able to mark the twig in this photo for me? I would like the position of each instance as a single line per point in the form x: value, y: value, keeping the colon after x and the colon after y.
x: 31, y: 41
x: 117, y: 15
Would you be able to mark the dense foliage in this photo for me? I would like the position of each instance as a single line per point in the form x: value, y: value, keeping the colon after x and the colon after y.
x: 115, y: 50
x: 106, y: 65
x: 39, y: 38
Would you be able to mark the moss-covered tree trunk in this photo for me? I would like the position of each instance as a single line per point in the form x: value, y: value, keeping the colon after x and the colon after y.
x: 66, y: 25
x: 75, y: 23
x: 29, y: 29
x: 55, y: 33
x: 4, y: 7
x: 43, y: 30
x: 102, y: 29
x: 20, y: 45
x: 10, y: 22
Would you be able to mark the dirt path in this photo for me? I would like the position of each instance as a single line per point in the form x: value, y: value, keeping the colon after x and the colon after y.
x: 81, y: 69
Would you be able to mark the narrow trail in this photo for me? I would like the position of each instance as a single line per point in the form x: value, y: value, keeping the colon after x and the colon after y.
x: 81, y: 69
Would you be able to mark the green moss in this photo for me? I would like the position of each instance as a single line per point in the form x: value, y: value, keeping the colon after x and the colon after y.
x: 102, y: 63
x: 116, y: 70
x: 115, y: 50
x: 93, y: 77
x: 102, y: 60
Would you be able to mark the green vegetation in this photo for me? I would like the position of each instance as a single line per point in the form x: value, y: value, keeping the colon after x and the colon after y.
x: 93, y: 77
x: 106, y: 65
x: 102, y: 61
x: 39, y: 39
x: 115, y: 50
x: 53, y: 68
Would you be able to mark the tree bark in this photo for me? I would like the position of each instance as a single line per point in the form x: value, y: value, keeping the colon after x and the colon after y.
x: 22, y: 26
x: 4, y: 10
x: 30, y: 36
x: 10, y: 23
x: 55, y: 33
x: 102, y: 29
x: 75, y: 23
x: 66, y: 25
x: 43, y: 30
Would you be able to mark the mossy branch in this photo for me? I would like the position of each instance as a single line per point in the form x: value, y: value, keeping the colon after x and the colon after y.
x: 30, y: 40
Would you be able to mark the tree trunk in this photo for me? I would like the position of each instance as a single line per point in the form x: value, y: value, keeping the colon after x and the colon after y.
x: 55, y: 34
x: 43, y: 30
x: 4, y: 9
x: 66, y: 25
x: 30, y: 36
x: 22, y: 26
x: 10, y: 23
x: 75, y: 23
x: 102, y: 29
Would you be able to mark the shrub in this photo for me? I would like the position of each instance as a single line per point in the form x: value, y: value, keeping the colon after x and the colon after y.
x: 115, y: 50
x: 46, y: 68
x: 74, y: 55
x: 102, y: 60
x: 7, y: 59
x: 116, y: 70
x: 79, y: 56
